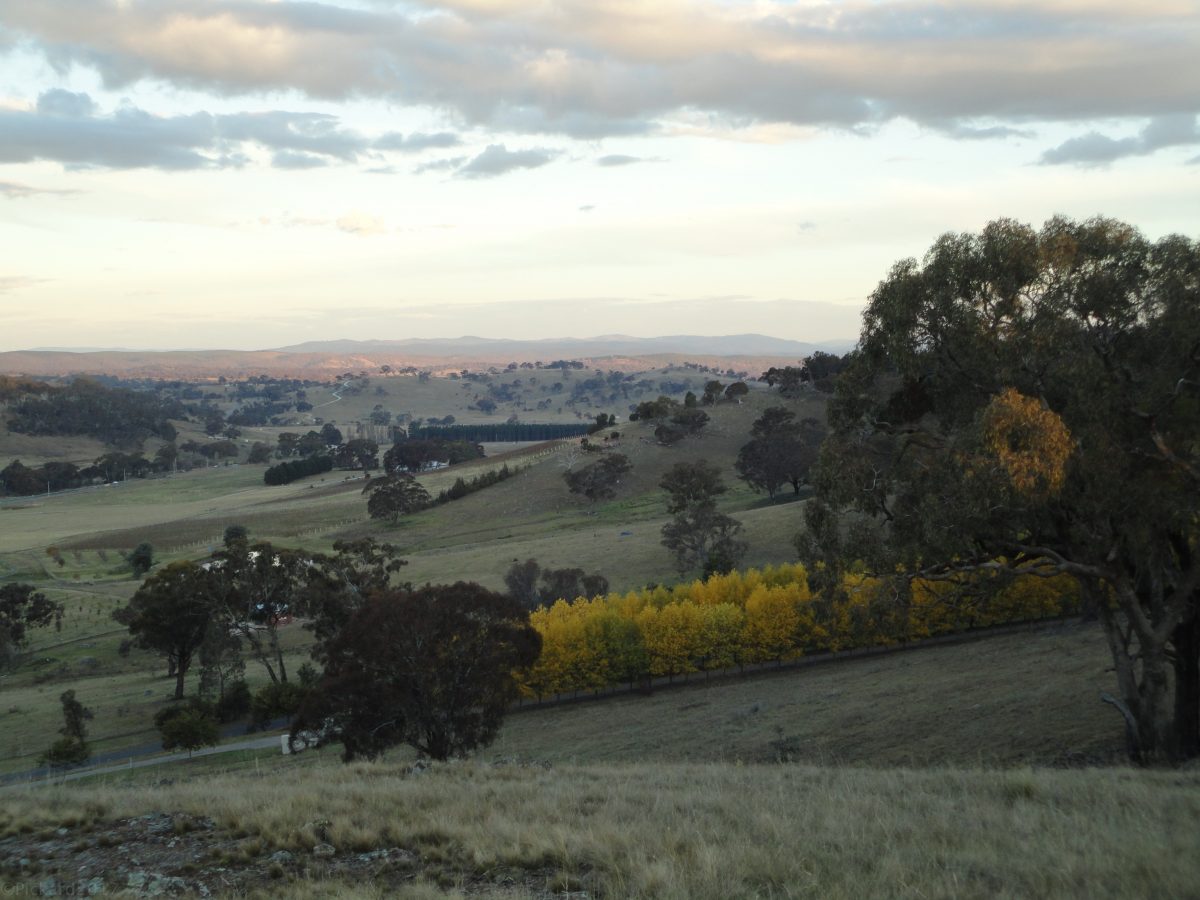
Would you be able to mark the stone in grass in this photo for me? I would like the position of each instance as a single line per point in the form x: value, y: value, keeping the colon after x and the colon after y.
x: 323, y: 851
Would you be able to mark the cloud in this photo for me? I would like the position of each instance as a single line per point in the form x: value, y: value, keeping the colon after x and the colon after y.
x: 593, y: 68
x: 620, y: 159
x: 498, y: 160
x: 1096, y: 149
x: 441, y: 165
x: 66, y: 128
x: 11, y: 283
x: 416, y: 142
x: 58, y: 102
x: 15, y: 191
x: 360, y: 224
x: 287, y: 159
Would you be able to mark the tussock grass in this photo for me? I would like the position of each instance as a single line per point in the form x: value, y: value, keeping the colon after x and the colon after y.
x: 709, y: 831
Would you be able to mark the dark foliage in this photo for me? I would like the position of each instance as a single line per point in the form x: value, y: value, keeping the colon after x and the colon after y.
x: 431, y: 668
x: 87, y: 407
x: 23, y: 607
x: 170, y: 614
x: 599, y: 480
x: 292, y: 470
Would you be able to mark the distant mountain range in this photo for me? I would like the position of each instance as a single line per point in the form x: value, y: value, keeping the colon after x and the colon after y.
x: 577, y: 348
x: 322, y: 359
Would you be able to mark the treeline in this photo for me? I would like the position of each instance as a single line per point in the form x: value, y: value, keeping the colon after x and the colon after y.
x: 293, y: 469
x: 87, y: 407
x: 19, y: 480
x: 462, y: 488
x: 760, y: 616
x: 500, y: 431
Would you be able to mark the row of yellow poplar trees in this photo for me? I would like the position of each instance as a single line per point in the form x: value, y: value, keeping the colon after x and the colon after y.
x: 760, y: 616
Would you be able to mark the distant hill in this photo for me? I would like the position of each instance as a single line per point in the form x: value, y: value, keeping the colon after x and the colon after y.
x: 577, y: 348
x: 323, y: 359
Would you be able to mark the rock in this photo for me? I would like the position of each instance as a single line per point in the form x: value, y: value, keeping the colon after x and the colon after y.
x: 62, y: 832
x: 136, y: 881
x: 90, y: 888
x: 323, y: 850
x: 282, y: 856
x: 48, y: 887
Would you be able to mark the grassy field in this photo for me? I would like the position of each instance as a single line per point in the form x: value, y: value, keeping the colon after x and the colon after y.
x: 653, y: 830
x: 871, y: 777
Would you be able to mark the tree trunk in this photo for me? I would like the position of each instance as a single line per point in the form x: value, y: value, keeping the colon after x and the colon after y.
x: 1186, y: 643
x: 180, y: 671
x: 1144, y: 694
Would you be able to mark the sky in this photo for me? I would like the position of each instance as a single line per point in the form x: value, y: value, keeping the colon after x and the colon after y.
x: 248, y: 174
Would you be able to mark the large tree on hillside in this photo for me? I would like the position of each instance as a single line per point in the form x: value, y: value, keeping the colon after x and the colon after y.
x: 258, y: 589
x: 170, y: 614
x: 432, y: 668
x: 395, y: 496
x: 780, y: 451
x: 1030, y: 401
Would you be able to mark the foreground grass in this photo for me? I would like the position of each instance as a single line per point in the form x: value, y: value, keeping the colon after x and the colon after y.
x: 674, y: 831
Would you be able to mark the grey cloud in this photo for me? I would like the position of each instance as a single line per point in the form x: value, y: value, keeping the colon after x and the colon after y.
x: 588, y: 70
x: 65, y: 129
x: 619, y: 159
x: 1096, y: 149
x: 287, y: 159
x: 969, y: 132
x: 416, y: 142
x: 499, y: 160
x: 440, y: 165
x: 57, y: 102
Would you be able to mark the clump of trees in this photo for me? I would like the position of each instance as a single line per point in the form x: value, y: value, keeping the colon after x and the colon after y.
x: 698, y: 535
x: 598, y: 480
x: 290, y: 471
x: 780, y: 451
x: 1029, y: 401
x: 84, y: 406
x: 414, y: 455
x: 433, y: 668
x: 532, y: 586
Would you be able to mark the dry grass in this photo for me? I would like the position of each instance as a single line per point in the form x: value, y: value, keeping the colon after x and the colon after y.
x: 705, y: 831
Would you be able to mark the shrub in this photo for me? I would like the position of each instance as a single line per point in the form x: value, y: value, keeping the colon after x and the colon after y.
x: 275, y: 700
x: 235, y: 703
x: 191, y: 729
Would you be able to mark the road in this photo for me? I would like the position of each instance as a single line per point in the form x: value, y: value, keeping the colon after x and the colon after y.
x: 260, y: 743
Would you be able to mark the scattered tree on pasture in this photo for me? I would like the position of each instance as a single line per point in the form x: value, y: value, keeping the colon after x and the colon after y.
x: 394, y: 496
x: 599, y: 480
x: 23, y: 607
x: 141, y: 560
x: 72, y: 748
x: 780, y: 451
x: 170, y: 613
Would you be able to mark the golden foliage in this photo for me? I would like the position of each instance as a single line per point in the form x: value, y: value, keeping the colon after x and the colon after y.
x: 761, y: 615
x: 1031, y: 443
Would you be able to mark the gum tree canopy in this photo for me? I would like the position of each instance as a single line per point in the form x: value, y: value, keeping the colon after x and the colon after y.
x: 1030, y: 401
